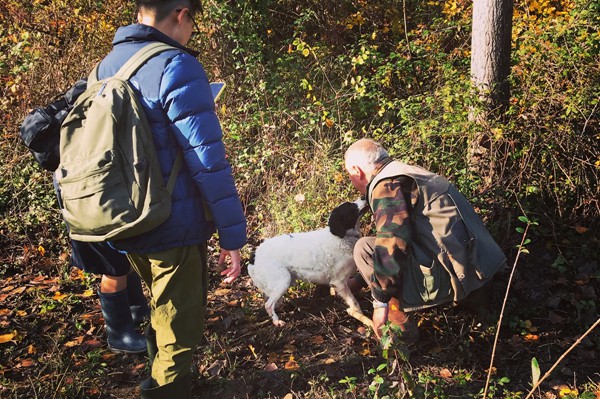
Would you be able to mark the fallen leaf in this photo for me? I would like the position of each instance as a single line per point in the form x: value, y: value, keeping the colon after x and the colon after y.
x: 288, y: 396
x: 18, y: 291
x: 21, y: 313
x: 222, y: 291
x: 581, y: 229
x: 531, y: 337
x: 26, y: 363
x: 138, y: 366
x: 445, y: 373
x: 58, y: 296
x: 31, y: 350
x: 252, y: 350
x: 318, y: 339
x: 87, y: 293
x: 93, y: 343
x: 292, y: 364
x: 75, y: 342
x: 8, y: 288
x: 6, y: 338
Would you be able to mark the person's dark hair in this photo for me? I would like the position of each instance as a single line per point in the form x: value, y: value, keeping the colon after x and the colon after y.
x: 162, y: 8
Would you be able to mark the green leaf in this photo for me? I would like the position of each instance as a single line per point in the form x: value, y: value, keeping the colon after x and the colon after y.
x: 520, y: 230
x: 523, y: 219
x: 535, y: 371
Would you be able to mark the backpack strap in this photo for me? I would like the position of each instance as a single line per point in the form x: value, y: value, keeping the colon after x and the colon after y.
x: 127, y: 70
x: 140, y: 57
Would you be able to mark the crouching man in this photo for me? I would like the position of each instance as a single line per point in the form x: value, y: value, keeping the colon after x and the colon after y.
x: 430, y: 245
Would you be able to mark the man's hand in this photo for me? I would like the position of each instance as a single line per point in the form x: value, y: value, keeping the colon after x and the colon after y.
x: 380, y: 317
x: 235, y: 268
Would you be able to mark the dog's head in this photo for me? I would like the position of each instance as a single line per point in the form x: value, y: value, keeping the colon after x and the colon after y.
x: 346, y: 216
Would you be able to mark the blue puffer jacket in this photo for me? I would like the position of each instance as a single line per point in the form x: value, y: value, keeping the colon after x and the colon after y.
x: 175, y: 93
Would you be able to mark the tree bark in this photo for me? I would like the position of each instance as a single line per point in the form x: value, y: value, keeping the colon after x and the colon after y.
x: 490, y: 68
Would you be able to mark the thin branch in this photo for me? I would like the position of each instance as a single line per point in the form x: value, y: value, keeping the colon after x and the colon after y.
x: 487, y: 381
x: 560, y: 359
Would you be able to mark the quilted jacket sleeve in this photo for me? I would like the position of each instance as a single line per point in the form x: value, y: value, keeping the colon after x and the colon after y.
x: 187, y: 99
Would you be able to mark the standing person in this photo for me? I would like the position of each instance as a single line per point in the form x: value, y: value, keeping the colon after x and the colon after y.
x: 172, y: 258
x: 430, y: 245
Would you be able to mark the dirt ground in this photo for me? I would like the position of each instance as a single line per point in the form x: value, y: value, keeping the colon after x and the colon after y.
x: 53, y: 339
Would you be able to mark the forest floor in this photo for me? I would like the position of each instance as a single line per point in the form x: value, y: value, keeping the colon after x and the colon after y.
x: 52, y: 339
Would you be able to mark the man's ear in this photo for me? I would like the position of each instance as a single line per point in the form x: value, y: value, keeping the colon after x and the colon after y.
x: 357, y: 171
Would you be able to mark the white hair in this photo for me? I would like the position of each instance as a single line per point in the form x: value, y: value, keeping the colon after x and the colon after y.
x: 365, y: 153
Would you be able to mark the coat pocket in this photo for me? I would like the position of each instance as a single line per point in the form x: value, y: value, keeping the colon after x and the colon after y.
x: 425, y: 280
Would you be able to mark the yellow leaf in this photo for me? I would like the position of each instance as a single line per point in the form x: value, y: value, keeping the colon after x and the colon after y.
x: 41, y: 250
x: 329, y: 123
x: 252, y: 350
x: 305, y: 52
x: 58, y: 296
x: 87, y: 293
x: 6, y: 338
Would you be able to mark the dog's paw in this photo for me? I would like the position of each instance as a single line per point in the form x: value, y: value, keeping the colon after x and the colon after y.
x: 279, y: 323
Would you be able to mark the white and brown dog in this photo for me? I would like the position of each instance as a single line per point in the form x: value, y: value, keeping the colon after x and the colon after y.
x: 322, y: 256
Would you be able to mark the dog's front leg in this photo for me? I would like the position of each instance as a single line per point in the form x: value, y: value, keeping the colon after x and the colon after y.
x: 341, y: 288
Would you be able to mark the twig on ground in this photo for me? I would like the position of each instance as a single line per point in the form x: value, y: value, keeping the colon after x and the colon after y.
x: 560, y: 359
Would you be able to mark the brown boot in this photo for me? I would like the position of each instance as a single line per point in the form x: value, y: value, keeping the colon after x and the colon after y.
x: 402, y: 320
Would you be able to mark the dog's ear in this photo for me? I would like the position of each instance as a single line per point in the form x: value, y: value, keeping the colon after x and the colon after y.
x: 341, y: 219
x: 336, y: 227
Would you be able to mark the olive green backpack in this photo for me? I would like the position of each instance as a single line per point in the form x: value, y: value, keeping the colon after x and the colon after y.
x: 109, y: 177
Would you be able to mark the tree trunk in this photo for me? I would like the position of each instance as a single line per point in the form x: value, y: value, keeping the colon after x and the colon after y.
x: 490, y: 68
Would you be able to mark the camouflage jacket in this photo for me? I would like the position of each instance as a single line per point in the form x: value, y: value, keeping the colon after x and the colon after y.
x: 431, y: 247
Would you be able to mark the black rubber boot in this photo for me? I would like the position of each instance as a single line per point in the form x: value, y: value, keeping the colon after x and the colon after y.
x: 178, y: 389
x: 138, y: 304
x: 122, y: 336
x: 151, y: 344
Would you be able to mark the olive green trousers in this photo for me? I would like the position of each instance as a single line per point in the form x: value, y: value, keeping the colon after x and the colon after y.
x: 177, y: 280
